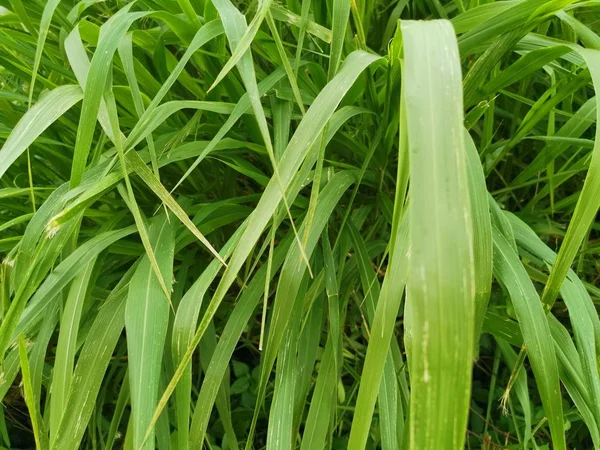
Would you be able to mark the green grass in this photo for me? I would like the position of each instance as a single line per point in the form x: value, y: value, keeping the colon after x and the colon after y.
x: 296, y: 224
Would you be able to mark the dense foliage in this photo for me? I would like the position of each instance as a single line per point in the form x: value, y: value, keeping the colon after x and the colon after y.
x: 299, y: 224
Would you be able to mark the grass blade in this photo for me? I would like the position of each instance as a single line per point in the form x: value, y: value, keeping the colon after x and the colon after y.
x: 146, y: 322
x: 35, y: 121
x: 441, y: 281
x: 536, y: 332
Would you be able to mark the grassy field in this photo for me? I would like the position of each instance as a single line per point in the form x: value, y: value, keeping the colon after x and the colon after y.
x: 299, y: 224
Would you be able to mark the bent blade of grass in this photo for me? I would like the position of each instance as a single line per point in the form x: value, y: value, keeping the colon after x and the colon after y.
x: 35, y: 121
x: 509, y: 271
x: 242, y: 43
x: 441, y: 280
x: 146, y: 322
x: 128, y: 195
x: 138, y: 165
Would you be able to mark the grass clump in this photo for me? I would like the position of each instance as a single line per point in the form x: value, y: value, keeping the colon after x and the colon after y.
x: 299, y: 224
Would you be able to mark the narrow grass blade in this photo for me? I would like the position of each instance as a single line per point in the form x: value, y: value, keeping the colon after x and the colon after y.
x: 241, y: 44
x: 136, y: 163
x: 482, y: 232
x: 45, y: 112
x: 381, y: 334
x: 66, y: 347
x: 183, y: 332
x: 112, y: 32
x: 41, y: 439
x: 536, y: 332
x: 44, y: 27
x: 146, y: 322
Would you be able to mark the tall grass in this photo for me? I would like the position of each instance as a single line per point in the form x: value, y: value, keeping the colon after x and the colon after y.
x: 299, y: 224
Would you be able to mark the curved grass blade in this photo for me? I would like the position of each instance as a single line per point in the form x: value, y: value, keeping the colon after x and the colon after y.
x: 35, y: 121
x: 240, y: 44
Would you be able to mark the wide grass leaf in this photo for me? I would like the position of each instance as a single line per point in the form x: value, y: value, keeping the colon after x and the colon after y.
x: 441, y: 280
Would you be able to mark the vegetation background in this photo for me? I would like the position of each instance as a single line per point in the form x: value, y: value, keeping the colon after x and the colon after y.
x: 299, y: 224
